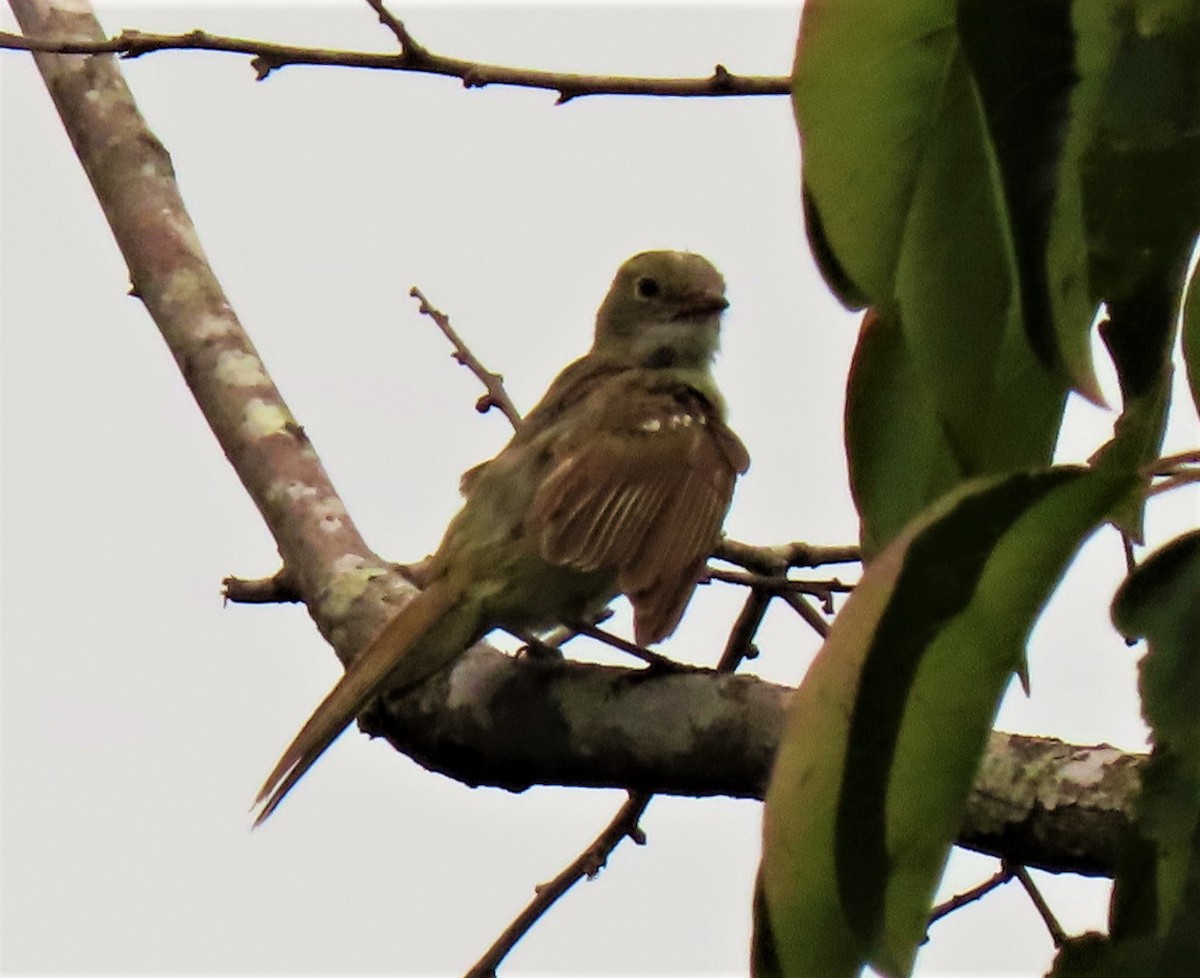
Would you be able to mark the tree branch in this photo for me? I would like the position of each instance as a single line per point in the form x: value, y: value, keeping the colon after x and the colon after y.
x: 344, y: 584
x: 624, y: 825
x: 514, y: 723
x: 408, y: 43
x: 279, y: 588
x: 960, y: 900
x: 777, y: 559
x: 268, y: 57
x: 493, y: 383
x: 1057, y: 935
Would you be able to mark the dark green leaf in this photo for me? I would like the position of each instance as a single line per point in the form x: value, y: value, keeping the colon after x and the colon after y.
x: 1128, y: 205
x: 886, y: 731
x: 1141, y: 169
x: 1140, y: 336
x: 901, y: 456
x: 1158, y: 883
x: 898, y: 454
x: 1095, y: 956
x: 930, y: 147
x: 1021, y: 57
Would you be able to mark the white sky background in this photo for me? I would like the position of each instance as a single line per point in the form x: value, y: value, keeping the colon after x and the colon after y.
x: 139, y: 716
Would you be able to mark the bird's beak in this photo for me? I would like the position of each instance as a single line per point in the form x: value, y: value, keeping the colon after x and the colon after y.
x: 702, y: 304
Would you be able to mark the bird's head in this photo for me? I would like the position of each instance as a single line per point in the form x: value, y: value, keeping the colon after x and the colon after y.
x: 662, y: 310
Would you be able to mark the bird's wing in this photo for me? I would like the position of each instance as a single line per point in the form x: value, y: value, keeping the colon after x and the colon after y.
x: 641, y: 488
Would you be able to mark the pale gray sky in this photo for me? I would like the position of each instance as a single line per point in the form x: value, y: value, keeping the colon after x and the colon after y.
x: 139, y: 716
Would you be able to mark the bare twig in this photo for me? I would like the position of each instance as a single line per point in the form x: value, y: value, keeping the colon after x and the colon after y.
x: 777, y: 559
x: 279, y: 588
x: 1173, y: 463
x: 1002, y: 876
x: 559, y: 636
x: 740, y: 645
x: 824, y: 590
x: 1057, y: 934
x: 806, y: 611
x: 625, y: 823
x: 650, y: 658
x: 1173, y: 471
x: 269, y: 57
x: 588, y: 863
x: 496, y: 396
x: 1180, y: 477
x: 408, y: 44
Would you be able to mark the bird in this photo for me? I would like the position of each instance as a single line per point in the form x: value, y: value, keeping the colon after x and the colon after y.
x: 617, y: 482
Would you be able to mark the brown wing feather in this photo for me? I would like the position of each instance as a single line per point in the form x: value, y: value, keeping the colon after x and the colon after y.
x: 641, y: 490
x: 661, y: 588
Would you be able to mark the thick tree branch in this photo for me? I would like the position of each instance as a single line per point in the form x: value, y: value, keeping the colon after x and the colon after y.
x: 268, y: 57
x: 326, y: 560
x: 513, y: 723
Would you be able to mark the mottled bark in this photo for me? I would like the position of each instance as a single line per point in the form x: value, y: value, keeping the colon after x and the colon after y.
x: 493, y: 720
x: 326, y: 559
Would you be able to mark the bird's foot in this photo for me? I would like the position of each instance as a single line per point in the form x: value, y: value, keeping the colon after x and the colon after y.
x: 539, y: 651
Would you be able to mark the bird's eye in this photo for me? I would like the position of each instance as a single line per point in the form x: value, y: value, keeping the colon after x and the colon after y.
x: 647, y: 288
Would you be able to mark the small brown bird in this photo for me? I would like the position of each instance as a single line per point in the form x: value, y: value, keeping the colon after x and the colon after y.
x: 617, y: 482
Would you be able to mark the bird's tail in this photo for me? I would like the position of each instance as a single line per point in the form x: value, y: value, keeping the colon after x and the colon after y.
x: 385, y: 663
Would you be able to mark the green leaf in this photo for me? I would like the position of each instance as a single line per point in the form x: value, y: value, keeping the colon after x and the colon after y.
x: 867, y: 79
x: 901, y: 456
x: 1158, y: 884
x: 827, y: 261
x: 1126, y: 212
x: 1095, y: 956
x: 930, y: 133
x: 1073, y: 298
x: 1021, y: 58
x: 1140, y: 335
x: 1141, y: 168
x: 1146, y: 953
x: 886, y: 731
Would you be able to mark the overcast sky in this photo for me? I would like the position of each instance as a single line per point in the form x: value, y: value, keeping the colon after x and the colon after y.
x: 140, y: 716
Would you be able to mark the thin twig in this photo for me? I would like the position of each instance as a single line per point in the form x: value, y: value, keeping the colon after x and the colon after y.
x: 269, y: 57
x: 625, y: 823
x: 1180, y: 477
x: 1173, y: 463
x: 824, y: 590
x: 1127, y: 551
x: 496, y: 396
x: 1057, y: 934
x: 806, y: 611
x: 408, y: 44
x: 777, y: 559
x: 279, y: 588
x: 588, y: 863
x: 740, y: 645
x: 1002, y: 876
x: 560, y: 635
x: 650, y: 658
